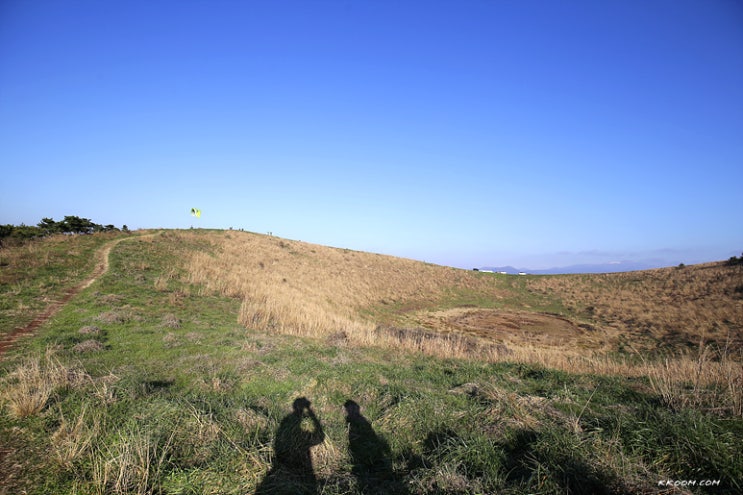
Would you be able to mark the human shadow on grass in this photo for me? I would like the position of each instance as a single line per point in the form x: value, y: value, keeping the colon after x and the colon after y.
x: 370, y: 455
x: 292, y: 471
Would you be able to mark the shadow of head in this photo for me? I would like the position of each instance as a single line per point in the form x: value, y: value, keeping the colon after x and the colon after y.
x: 353, y: 410
x: 300, y: 405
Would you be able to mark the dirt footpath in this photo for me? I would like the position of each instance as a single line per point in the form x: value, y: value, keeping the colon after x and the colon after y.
x: 101, y: 267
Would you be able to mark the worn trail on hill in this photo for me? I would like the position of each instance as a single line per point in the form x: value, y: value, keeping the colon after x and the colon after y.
x: 101, y: 267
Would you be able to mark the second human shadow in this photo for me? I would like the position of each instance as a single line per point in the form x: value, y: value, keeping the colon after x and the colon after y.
x: 370, y: 455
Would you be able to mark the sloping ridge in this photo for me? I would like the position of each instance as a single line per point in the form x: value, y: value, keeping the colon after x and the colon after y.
x: 100, y: 268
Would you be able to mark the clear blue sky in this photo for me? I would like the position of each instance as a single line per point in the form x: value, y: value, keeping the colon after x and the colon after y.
x: 465, y: 133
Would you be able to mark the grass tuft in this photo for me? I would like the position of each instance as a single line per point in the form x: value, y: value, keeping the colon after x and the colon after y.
x: 73, y: 438
x: 28, y: 388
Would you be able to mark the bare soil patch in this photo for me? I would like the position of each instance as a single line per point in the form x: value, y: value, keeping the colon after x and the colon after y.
x: 507, y: 326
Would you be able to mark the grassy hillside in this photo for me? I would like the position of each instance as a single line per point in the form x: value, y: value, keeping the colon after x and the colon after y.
x: 302, y: 288
x: 177, y: 370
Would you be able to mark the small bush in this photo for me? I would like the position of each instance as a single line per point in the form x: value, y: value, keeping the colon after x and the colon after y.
x: 89, y: 330
x: 171, y: 321
x: 113, y: 317
x: 91, y: 345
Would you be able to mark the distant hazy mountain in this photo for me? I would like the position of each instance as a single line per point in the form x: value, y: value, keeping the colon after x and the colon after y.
x: 619, y: 266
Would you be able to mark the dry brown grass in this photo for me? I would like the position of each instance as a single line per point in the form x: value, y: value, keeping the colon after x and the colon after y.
x: 708, y: 380
x: 670, y: 306
x: 131, y: 465
x: 73, y: 438
x: 305, y: 289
